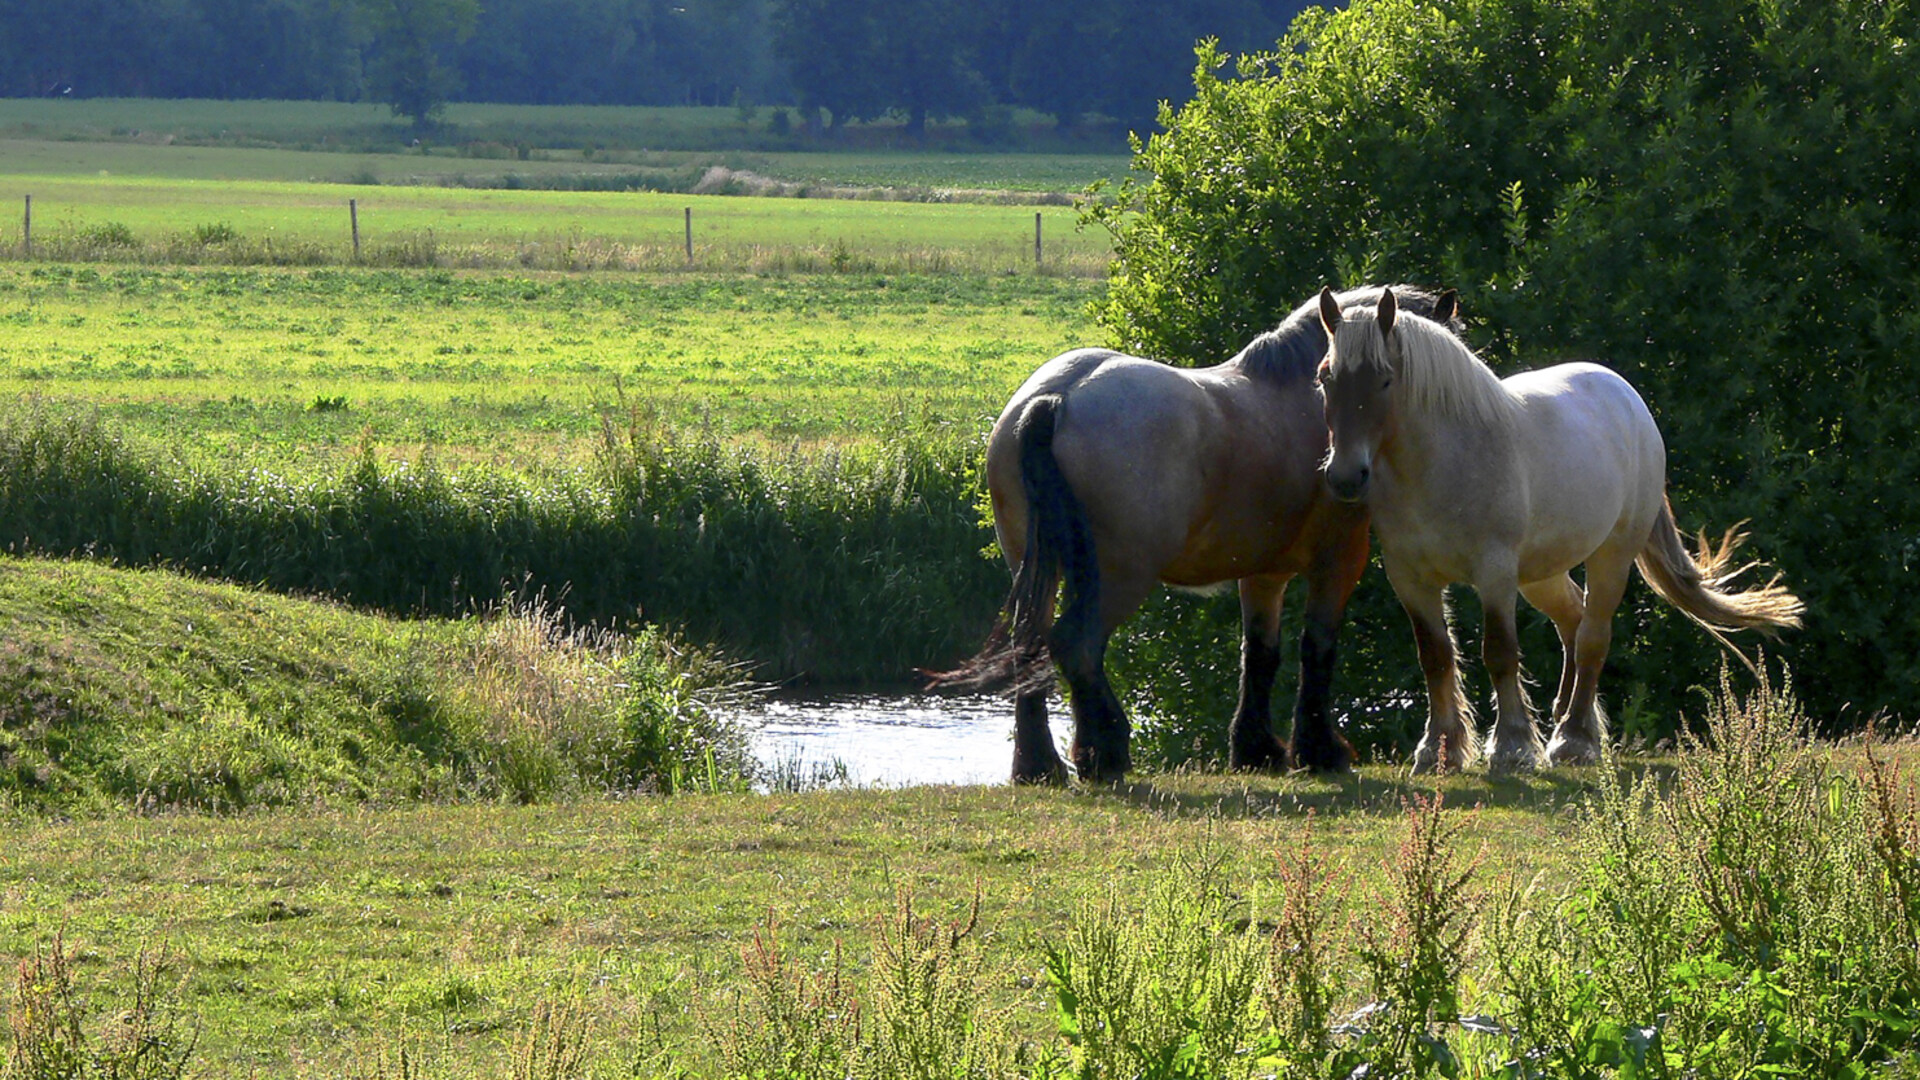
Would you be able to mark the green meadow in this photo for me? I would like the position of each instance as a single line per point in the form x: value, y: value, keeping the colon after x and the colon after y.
x: 113, y: 218
x: 919, y: 175
x: 519, y: 369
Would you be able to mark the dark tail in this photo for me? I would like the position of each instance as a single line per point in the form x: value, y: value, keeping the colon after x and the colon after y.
x: 1059, y: 549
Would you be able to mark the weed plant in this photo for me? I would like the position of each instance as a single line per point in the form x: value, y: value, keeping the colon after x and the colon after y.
x: 58, y: 1034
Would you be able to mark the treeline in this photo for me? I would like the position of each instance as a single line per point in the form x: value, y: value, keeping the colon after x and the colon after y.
x: 854, y: 59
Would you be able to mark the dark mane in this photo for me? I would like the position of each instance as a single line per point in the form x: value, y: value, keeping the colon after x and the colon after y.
x: 1294, y: 349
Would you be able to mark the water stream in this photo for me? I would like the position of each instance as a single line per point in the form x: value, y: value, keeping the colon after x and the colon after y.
x: 886, y: 740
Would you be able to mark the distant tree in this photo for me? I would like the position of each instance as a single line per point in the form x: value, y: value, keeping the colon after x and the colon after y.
x: 409, y: 63
x: 831, y: 49
x: 860, y: 59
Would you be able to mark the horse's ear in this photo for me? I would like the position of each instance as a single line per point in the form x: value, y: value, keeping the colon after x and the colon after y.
x: 1445, y: 308
x: 1329, y: 309
x: 1388, y: 309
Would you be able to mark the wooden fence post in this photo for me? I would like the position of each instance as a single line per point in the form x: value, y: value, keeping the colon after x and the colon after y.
x: 353, y: 215
x: 1036, y: 239
x: 26, y: 230
x: 689, y: 234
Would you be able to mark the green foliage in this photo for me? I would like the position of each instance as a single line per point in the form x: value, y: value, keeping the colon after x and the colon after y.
x: 1715, y: 202
x: 409, y: 65
x: 1167, y: 992
x: 1716, y: 930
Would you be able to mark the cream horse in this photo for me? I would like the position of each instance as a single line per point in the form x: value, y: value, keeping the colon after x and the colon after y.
x: 1507, y: 485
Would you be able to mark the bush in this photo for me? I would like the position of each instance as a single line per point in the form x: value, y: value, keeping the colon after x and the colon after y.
x: 1716, y: 202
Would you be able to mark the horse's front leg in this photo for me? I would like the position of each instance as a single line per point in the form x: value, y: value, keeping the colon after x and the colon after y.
x: 1317, y: 743
x: 1450, y: 741
x: 1251, y: 743
x: 1516, y: 744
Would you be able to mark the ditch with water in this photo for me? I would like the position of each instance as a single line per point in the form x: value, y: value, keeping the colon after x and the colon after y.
x: 885, y: 740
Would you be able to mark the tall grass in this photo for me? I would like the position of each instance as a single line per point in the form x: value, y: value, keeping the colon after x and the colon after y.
x: 837, y: 564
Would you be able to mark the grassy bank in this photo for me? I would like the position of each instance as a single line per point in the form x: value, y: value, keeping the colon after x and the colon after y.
x: 143, y: 688
x: 1699, y: 916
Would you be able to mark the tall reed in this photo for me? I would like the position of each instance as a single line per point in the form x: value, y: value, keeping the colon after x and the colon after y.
x: 845, y: 564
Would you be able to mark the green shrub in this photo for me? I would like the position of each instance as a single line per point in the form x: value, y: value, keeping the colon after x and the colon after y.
x: 1715, y: 201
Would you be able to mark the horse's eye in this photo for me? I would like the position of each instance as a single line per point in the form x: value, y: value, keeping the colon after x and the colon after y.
x: 1388, y: 383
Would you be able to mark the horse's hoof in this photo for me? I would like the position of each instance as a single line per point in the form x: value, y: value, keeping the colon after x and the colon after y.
x: 1271, y: 757
x: 1054, y: 777
x: 1334, y: 760
x: 1502, y: 760
x: 1427, y: 759
x: 1575, y: 750
x: 1096, y: 765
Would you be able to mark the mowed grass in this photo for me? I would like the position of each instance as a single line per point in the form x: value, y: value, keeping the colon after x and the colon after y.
x: 314, y: 944
x: 516, y: 368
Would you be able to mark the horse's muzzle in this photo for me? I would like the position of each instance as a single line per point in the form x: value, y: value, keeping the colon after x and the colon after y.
x: 1349, y: 487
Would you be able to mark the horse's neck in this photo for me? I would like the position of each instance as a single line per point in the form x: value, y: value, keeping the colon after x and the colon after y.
x: 1446, y: 462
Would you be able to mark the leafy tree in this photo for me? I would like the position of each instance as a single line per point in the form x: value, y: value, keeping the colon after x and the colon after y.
x: 1716, y: 200
x: 409, y: 65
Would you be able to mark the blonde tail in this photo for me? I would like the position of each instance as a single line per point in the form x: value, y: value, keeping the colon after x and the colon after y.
x: 1697, y: 584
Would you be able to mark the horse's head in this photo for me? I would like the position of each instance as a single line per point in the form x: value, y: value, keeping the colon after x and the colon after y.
x: 1356, y: 380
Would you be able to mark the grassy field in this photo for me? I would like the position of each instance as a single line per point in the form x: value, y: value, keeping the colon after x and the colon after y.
x: 916, y: 175
x: 348, y: 125
x: 314, y: 943
x: 1539, y: 923
x: 519, y: 369
x: 125, y: 219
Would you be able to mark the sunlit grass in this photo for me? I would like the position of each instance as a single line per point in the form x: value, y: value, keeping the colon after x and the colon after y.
x: 519, y: 369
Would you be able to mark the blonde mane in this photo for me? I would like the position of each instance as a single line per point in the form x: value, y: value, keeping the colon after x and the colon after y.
x: 1437, y: 372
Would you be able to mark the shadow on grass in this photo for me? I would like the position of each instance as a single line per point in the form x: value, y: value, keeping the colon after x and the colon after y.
x: 1375, y: 791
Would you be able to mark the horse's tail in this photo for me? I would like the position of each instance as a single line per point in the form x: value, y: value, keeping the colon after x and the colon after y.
x: 1059, y: 549
x: 1697, y: 584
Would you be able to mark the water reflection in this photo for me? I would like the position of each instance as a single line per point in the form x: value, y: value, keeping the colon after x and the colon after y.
x: 887, y: 741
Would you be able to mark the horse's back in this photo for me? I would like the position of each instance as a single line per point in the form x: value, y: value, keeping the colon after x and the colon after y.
x: 1158, y: 456
x: 1596, y: 465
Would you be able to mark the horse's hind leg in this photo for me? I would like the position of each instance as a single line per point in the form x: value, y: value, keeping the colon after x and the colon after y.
x: 1251, y: 743
x: 1317, y: 743
x: 1579, y: 735
x: 1035, y: 760
x: 1079, y: 646
x: 1560, y: 600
